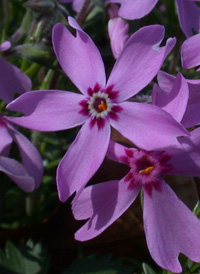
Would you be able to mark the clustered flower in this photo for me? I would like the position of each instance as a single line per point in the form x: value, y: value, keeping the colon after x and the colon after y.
x: 161, y: 134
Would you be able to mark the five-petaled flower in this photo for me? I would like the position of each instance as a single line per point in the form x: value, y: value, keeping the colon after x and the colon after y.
x: 188, y: 11
x: 170, y: 227
x: 101, y: 104
x: 28, y: 174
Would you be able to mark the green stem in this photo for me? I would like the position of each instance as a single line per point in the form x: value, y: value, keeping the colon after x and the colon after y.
x: 47, y: 80
x: 85, y: 10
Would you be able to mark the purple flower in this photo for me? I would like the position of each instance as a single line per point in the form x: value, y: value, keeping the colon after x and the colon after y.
x: 170, y: 227
x: 188, y: 11
x: 118, y: 34
x: 178, y: 96
x: 189, y: 16
x: 28, y: 175
x: 12, y: 79
x: 101, y: 104
x: 190, y: 56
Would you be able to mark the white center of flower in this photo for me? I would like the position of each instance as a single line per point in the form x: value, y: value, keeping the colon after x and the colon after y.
x: 99, y: 105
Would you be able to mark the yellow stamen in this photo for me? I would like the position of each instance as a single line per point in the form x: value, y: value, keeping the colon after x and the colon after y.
x: 146, y: 170
x: 102, y: 106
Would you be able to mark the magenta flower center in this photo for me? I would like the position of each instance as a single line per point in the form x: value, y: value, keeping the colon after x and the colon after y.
x: 100, y: 105
x: 146, y: 168
x: 2, y: 123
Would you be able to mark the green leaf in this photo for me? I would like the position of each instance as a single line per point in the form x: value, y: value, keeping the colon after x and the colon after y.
x: 26, y: 259
x: 103, y: 265
x: 196, y: 209
x: 147, y: 269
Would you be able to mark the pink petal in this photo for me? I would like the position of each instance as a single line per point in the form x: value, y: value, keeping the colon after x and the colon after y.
x: 186, y: 161
x: 12, y: 80
x: 82, y: 159
x: 165, y: 80
x: 31, y: 158
x: 189, y: 16
x: 170, y: 228
x: 174, y: 101
x: 103, y: 204
x: 140, y: 61
x: 148, y: 126
x: 77, y: 5
x: 190, y: 55
x: 48, y: 110
x: 118, y: 33
x: 5, y: 46
x: 78, y: 56
x: 17, y: 173
x: 116, y: 152
x: 134, y: 9
x: 192, y: 117
x: 5, y: 137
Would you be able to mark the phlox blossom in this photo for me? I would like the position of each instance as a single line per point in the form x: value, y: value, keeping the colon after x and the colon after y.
x: 28, y: 174
x: 178, y: 96
x: 102, y: 104
x: 188, y: 11
x: 190, y: 56
x: 170, y: 227
x: 12, y: 79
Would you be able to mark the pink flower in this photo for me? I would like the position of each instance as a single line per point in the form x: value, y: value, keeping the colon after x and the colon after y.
x: 118, y: 34
x: 28, y: 174
x: 188, y: 11
x: 170, y: 227
x: 178, y: 96
x: 190, y: 56
x: 101, y: 105
x: 12, y: 79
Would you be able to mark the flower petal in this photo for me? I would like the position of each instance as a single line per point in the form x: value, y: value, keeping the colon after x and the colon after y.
x: 148, y: 126
x: 186, y: 160
x: 189, y: 16
x: 118, y: 33
x: 192, y: 117
x: 78, y: 57
x: 174, y: 101
x: 12, y: 80
x: 190, y: 55
x: 5, y: 46
x: 5, y: 137
x: 134, y: 9
x: 170, y: 228
x: 31, y: 158
x: 48, y: 110
x: 116, y: 151
x: 77, y: 5
x: 140, y: 61
x: 82, y: 159
x: 165, y: 80
x: 17, y: 173
x: 103, y: 204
